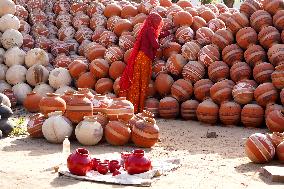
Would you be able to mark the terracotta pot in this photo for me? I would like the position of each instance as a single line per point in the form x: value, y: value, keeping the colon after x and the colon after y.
x: 102, y: 168
x: 260, y: 19
x: 95, y: 163
x: 34, y: 126
x: 272, y: 6
x: 259, y: 148
x: 145, y: 133
x: 163, y: 84
x: 280, y: 152
x: 193, y: 71
x: 86, y: 80
x: 197, y: 23
x: 202, y: 89
x: 152, y: 105
x: 78, y: 107
x: 31, y: 102
x: 207, y: 112
x: 10, y: 94
x: 100, y: 103
x: 246, y: 37
x: 243, y: 93
x: 182, y: 90
x: 255, y: 54
x: 79, y: 162
x: 208, y: 54
x: 188, y: 109
x: 117, y: 133
x: 137, y: 163
x: 184, y: 34
x: 87, y: 93
x: 113, y: 165
x: 269, y: 36
x: 276, y: 138
x: 237, y: 21
x: 248, y: 7
x: 265, y: 93
x: 204, y: 36
x: 168, y: 108
x: 51, y: 103
x: 120, y: 109
x: 276, y: 54
x: 102, y: 119
x: 68, y: 95
x: 230, y: 113
x: 218, y: 71
x: 262, y: 72
x: 252, y: 115
x: 275, y: 121
x: 240, y: 71
x: 222, y: 91
x: 271, y: 107
x: 278, y: 77
x: 190, y: 50
x: 232, y: 53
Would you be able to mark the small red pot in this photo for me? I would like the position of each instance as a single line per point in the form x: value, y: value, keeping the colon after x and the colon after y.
x: 102, y: 168
x: 113, y: 166
x: 79, y: 162
x: 137, y: 163
x: 95, y: 163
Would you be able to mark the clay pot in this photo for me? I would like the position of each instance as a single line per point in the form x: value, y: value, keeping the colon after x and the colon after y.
x: 117, y: 133
x: 254, y: 55
x: 207, y: 112
x: 252, y: 115
x: 197, y: 23
x: 78, y: 107
x: 137, y: 163
x: 222, y: 91
x: 260, y: 19
x: 269, y: 36
x: 259, y: 148
x: 280, y: 152
x: 145, y: 132
x: 77, y: 68
x: 182, y: 90
x: 100, y: 103
x: 276, y: 54
x: 246, y: 36
x: 86, y: 92
x: 272, y: 6
x: 152, y: 105
x: 67, y: 96
x: 278, y: 20
x: 104, y: 86
x: 89, y: 131
x: 202, y: 89
x: 86, y: 80
x: 236, y: 22
x: 163, y: 84
x: 240, y: 71
x: 230, y: 113
x: 51, y: 103
x: 175, y: 63
x: 193, y: 71
x: 222, y: 38
x: 208, y: 54
x: 271, y: 107
x: 94, y: 51
x: 216, y: 24
x: 243, y: 93
x: 31, y: 102
x: 232, y: 53
x: 265, y: 93
x: 170, y: 48
x: 116, y: 69
x: 34, y: 126
x: 79, y: 162
x: 248, y: 7
x: 218, y: 71
x: 188, y: 109
x: 168, y: 108
x: 184, y: 34
x: 262, y: 72
x: 278, y: 77
x: 190, y: 50
x: 275, y: 121
x: 204, y: 36
x: 276, y: 138
x: 10, y: 94
x: 113, y: 54
x: 120, y: 109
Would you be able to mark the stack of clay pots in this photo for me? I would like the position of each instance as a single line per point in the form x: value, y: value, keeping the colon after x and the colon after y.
x: 215, y: 64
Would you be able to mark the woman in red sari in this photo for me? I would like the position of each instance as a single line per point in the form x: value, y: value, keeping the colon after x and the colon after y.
x: 135, y: 79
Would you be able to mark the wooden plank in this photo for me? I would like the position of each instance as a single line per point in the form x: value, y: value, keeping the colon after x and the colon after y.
x: 274, y: 173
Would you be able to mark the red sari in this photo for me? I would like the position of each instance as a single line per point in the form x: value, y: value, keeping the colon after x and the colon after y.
x: 134, y: 82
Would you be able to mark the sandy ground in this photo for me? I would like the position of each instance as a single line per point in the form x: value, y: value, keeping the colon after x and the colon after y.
x: 206, y: 162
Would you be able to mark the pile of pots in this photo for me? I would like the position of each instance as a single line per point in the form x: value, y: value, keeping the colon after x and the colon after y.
x: 215, y: 64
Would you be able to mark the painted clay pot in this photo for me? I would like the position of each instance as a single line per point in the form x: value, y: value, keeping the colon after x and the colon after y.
x: 222, y: 91
x: 78, y: 107
x: 271, y: 107
x: 120, y: 109
x: 208, y: 54
x: 137, y: 163
x: 168, y: 108
x: 51, y: 103
x: 182, y: 90
x: 280, y: 152
x: 193, y: 71
x: 248, y: 7
x: 278, y: 77
x: 276, y: 138
x: 202, y: 89
x: 188, y: 109
x: 190, y: 50
x: 117, y: 133
x: 175, y: 63
x: 259, y: 148
x: 145, y: 133
x: 275, y: 121
x: 89, y: 131
x: 86, y: 92
x: 163, y: 84
x: 67, y: 96
x: 100, y: 103
x: 77, y: 68
x: 262, y: 72
x: 269, y: 36
x: 34, y: 126
x: 79, y: 162
x: 252, y: 115
x: 255, y: 54
x: 240, y: 71
x: 260, y: 19
x: 232, y: 53
x: 230, y: 113
x: 204, y: 36
x: 10, y: 94
x: 236, y: 22
x: 276, y: 54
x: 152, y: 105
x: 243, y: 93
x: 86, y: 80
x: 31, y: 102
x: 207, y: 112
x: 246, y: 37
x: 265, y: 93
x: 218, y: 71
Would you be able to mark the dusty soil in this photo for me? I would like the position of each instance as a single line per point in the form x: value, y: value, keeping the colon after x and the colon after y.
x: 206, y: 162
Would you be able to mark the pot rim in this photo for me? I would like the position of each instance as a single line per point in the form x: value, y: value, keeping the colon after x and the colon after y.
x: 82, y: 151
x: 138, y: 152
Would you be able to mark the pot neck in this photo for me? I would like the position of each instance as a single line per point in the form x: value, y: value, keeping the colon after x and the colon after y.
x: 138, y: 153
x: 82, y: 151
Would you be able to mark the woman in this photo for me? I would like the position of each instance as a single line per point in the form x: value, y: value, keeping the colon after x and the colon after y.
x: 135, y: 79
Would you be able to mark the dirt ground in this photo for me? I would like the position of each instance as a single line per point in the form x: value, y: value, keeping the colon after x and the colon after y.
x: 205, y: 162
